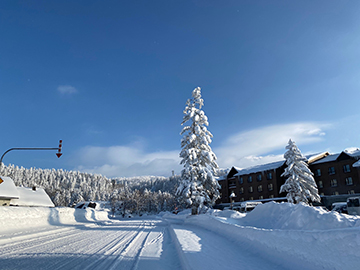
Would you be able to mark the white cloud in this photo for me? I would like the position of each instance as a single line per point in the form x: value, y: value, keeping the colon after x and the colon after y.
x: 258, y: 146
x: 244, y: 149
x: 125, y: 161
x: 67, y: 89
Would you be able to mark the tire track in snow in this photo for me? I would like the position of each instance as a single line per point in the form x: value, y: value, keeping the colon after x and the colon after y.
x: 133, y: 245
x: 96, y: 249
x: 113, y: 256
x: 33, y: 242
x: 61, y: 249
x: 132, y: 248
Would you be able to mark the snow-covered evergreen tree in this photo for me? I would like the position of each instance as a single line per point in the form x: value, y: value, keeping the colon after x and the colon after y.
x: 300, y: 184
x: 197, y: 185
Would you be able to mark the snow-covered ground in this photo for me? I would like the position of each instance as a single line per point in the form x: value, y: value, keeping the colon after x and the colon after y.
x: 273, y: 236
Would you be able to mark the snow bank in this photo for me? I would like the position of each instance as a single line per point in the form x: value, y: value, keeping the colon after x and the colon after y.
x: 298, y: 236
x: 15, y: 218
x: 286, y: 216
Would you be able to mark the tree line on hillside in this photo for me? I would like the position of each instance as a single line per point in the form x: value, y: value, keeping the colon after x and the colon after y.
x: 66, y: 188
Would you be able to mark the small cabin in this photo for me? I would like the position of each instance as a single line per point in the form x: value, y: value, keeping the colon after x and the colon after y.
x: 10, y: 195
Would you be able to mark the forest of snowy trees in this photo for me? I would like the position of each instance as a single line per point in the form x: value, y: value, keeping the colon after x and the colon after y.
x: 144, y: 194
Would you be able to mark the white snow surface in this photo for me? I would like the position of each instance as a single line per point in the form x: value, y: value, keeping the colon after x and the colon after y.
x: 272, y: 236
x: 30, y: 197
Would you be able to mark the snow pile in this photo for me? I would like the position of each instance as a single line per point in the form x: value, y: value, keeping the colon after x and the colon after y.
x: 226, y: 214
x: 14, y: 218
x: 286, y: 216
x: 308, y: 236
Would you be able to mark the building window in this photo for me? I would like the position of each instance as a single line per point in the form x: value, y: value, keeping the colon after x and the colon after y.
x: 241, y: 180
x: 269, y: 176
x: 351, y: 191
x: 333, y: 183
x: 331, y: 170
x: 261, y: 197
x: 320, y: 184
x: 251, y: 190
x: 270, y: 187
x: 349, y: 181
x: 242, y: 199
x: 335, y: 193
x: 271, y: 196
x: 322, y: 194
x: 346, y: 168
x: 251, y: 198
x: 250, y: 179
x: 260, y: 189
x: 318, y: 172
x: 258, y: 177
x: 241, y: 190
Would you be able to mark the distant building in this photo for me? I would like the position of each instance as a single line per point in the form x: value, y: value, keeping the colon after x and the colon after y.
x: 337, y: 174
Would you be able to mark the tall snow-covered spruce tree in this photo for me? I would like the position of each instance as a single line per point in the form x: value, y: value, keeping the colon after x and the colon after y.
x: 198, y: 185
x: 300, y: 184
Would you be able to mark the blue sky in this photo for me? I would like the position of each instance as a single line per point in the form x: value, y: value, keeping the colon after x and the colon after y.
x: 111, y: 78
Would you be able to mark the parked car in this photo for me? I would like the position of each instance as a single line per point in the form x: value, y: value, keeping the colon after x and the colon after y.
x: 340, y: 207
x: 248, y: 206
x: 353, y: 205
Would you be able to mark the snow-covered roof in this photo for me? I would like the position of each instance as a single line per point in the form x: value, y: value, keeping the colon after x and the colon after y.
x: 237, y: 168
x: 274, y: 165
x: 30, y: 197
x: 329, y: 158
x: 7, y: 188
x: 352, y: 151
x: 356, y: 164
x: 261, y: 168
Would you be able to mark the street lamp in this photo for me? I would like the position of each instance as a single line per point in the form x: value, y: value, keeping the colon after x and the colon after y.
x: 232, y: 196
x: 58, y: 154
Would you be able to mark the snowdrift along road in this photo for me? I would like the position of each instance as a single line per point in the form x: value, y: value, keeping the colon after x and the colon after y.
x: 273, y: 236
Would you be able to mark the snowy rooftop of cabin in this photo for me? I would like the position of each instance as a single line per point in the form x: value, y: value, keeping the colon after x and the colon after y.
x: 7, y: 188
x: 30, y: 197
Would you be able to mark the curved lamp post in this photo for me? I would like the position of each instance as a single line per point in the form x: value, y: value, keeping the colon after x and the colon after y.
x: 58, y: 154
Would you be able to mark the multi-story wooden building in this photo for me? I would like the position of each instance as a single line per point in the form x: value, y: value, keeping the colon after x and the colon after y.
x: 334, y: 175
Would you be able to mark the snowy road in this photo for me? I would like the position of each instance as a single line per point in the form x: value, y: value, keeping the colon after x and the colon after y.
x: 128, y: 244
